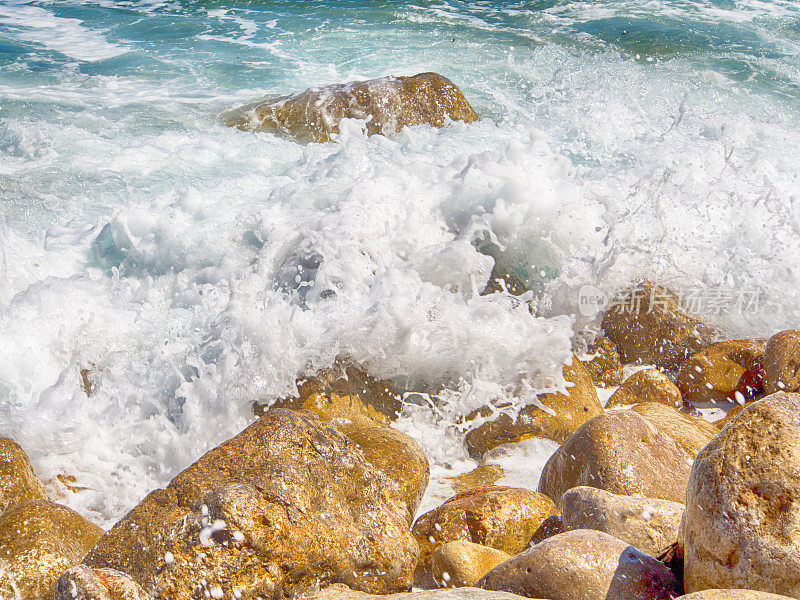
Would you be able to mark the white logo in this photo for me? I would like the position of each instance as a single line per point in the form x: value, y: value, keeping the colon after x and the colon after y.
x: 591, y: 300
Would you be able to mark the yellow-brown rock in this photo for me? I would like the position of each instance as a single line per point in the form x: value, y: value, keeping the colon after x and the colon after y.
x: 741, y: 527
x: 286, y: 506
x: 345, y: 379
x: 570, y: 411
x: 84, y: 583
x: 730, y: 370
x: 648, y: 385
x: 604, y: 366
x: 649, y: 524
x: 462, y: 563
x: 782, y: 362
x: 504, y: 518
x: 622, y: 452
x: 691, y: 433
x: 583, y: 565
x: 342, y: 592
x: 732, y: 595
x: 39, y: 539
x: 389, y: 104
x: 342, y: 411
x: 648, y: 326
x: 397, y: 456
x: 18, y: 482
x: 479, y: 476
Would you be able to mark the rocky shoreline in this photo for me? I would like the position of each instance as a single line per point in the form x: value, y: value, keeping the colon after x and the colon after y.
x: 317, y: 498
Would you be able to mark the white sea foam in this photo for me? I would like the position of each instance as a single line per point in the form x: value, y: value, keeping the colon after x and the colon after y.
x: 71, y: 37
x: 191, y: 269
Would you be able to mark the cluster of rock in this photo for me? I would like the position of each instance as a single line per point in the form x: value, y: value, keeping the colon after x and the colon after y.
x: 318, y: 497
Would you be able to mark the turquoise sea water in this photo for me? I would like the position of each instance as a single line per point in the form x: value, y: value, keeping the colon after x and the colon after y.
x: 192, y: 268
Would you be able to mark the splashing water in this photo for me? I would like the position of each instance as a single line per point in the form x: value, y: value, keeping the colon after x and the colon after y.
x: 189, y: 269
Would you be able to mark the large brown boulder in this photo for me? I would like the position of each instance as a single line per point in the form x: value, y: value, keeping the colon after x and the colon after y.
x: 649, y: 326
x: 389, y: 104
x: 462, y: 563
x: 583, y: 565
x: 395, y: 454
x: 731, y: 595
x: 690, y: 432
x: 342, y: 592
x: 84, y: 583
x: 500, y: 517
x: 647, y: 385
x: 603, y: 363
x: 284, y: 507
x: 741, y: 528
x: 564, y: 414
x: 649, y: 524
x: 39, y: 539
x: 18, y: 482
x: 782, y: 362
x: 730, y: 370
x: 622, y: 452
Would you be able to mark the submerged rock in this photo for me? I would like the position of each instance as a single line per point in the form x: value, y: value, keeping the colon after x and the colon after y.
x: 389, y: 104
x: 622, y: 452
x: 84, y: 583
x: 741, y: 527
x: 39, y: 539
x: 565, y: 413
x: 782, y: 362
x: 730, y: 370
x: 649, y: 326
x: 648, y: 385
x: 462, y: 563
x: 504, y: 518
x: 583, y: 565
x: 18, y: 482
x: 342, y: 592
x: 603, y: 363
x: 649, y: 524
x: 284, y: 507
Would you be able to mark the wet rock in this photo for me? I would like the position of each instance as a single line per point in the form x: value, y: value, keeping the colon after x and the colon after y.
x: 648, y: 524
x: 782, y: 362
x: 342, y: 592
x: 622, y: 452
x: 690, y: 432
x: 479, y: 476
x: 649, y: 326
x: 461, y: 563
x: 389, y: 104
x: 648, y: 385
x: 39, y: 539
x: 284, y: 507
x: 344, y: 380
x: 18, y: 482
x: 583, y: 565
x: 603, y: 363
x: 726, y: 371
x: 732, y: 595
x: 84, y: 583
x: 504, y: 518
x: 740, y: 528
x: 397, y: 456
x: 569, y: 411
